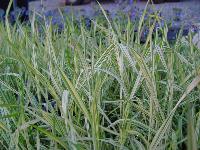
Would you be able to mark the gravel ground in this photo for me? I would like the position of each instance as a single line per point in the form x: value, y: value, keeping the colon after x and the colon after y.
x: 186, y: 13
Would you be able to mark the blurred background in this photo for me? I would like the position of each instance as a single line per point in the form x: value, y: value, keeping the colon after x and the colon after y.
x: 177, y: 11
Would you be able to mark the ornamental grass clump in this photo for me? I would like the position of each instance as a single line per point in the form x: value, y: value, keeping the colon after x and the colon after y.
x: 98, y: 87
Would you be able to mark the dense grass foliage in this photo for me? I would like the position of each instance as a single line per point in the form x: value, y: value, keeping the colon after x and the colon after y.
x: 110, y: 90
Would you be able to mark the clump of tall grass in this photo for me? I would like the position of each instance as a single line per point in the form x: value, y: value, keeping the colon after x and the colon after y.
x: 110, y: 90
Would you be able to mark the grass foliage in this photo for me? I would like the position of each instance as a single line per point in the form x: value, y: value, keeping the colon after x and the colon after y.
x: 111, y: 91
